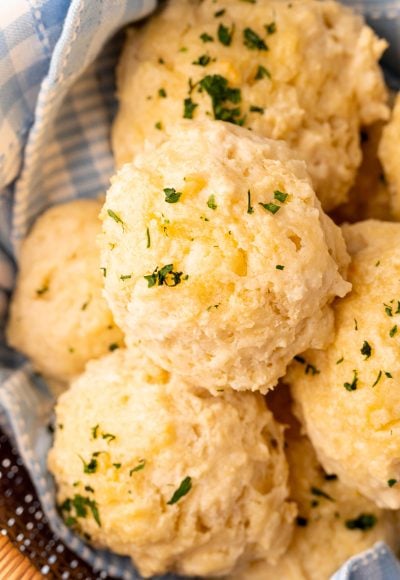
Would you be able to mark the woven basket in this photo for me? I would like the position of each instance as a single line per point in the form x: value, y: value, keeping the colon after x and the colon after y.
x: 28, y: 548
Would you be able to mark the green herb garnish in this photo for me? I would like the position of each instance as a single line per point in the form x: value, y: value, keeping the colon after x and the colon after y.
x: 164, y: 275
x: 95, y: 431
x: 255, y: 109
x: 162, y: 93
x: 116, y: 218
x: 378, y: 378
x: 270, y: 28
x: 171, y: 195
x: 252, y: 40
x: 113, y: 346
x: 206, y: 37
x: 108, y: 437
x: 280, y: 196
x: 279, y: 267
x: 183, y: 489
x: 42, y: 290
x: 363, y: 522
x: 188, y: 108
x: 301, y: 522
x: 225, y: 34
x: 366, y: 349
x: 250, y: 209
x: 211, y: 202
x: 148, y: 238
x: 221, y: 93
x: 311, y: 370
x: 388, y: 309
x: 391, y: 482
x: 393, y: 331
x: 90, y: 467
x: 203, y: 60
x: 271, y: 207
x: 138, y: 467
x: 353, y: 385
x: 262, y: 73
x: 320, y: 493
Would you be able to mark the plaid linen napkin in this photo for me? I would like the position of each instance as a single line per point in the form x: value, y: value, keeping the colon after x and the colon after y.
x: 54, y: 146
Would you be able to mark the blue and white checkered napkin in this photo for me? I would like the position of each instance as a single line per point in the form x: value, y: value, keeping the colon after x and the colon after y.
x: 54, y: 146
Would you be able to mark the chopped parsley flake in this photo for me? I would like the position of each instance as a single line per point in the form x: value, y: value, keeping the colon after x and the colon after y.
x: 363, y: 522
x: 104, y: 270
x: 388, y: 309
x: 250, y: 209
x: 90, y: 467
x: 378, y: 378
x: 391, y: 482
x: 221, y: 93
x: 262, y: 73
x: 271, y: 207
x: 330, y: 477
x: 211, y: 202
x: 158, y: 125
x: 188, y: 108
x: 162, y: 93
x: 148, y: 238
x: 81, y: 505
x: 339, y: 361
x: 280, y: 196
x: 255, y: 109
x: 311, y: 370
x: 206, y: 37
x: 225, y: 34
x: 388, y: 375
x: 117, y: 465
x: 138, y: 467
x: 353, y: 385
x: 95, y: 431
x: 171, y: 195
x: 183, y: 489
x: 270, y: 28
x: 252, y: 40
x: 219, y: 13
x: 116, y: 218
x: 301, y: 522
x: 42, y: 290
x: 320, y: 493
x: 203, y: 60
x: 125, y: 277
x: 366, y: 349
x: 279, y: 267
x: 108, y: 437
x: 113, y: 346
x: 164, y: 275
x: 393, y: 331
x: 355, y: 324
x: 216, y: 306
x: 89, y: 489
